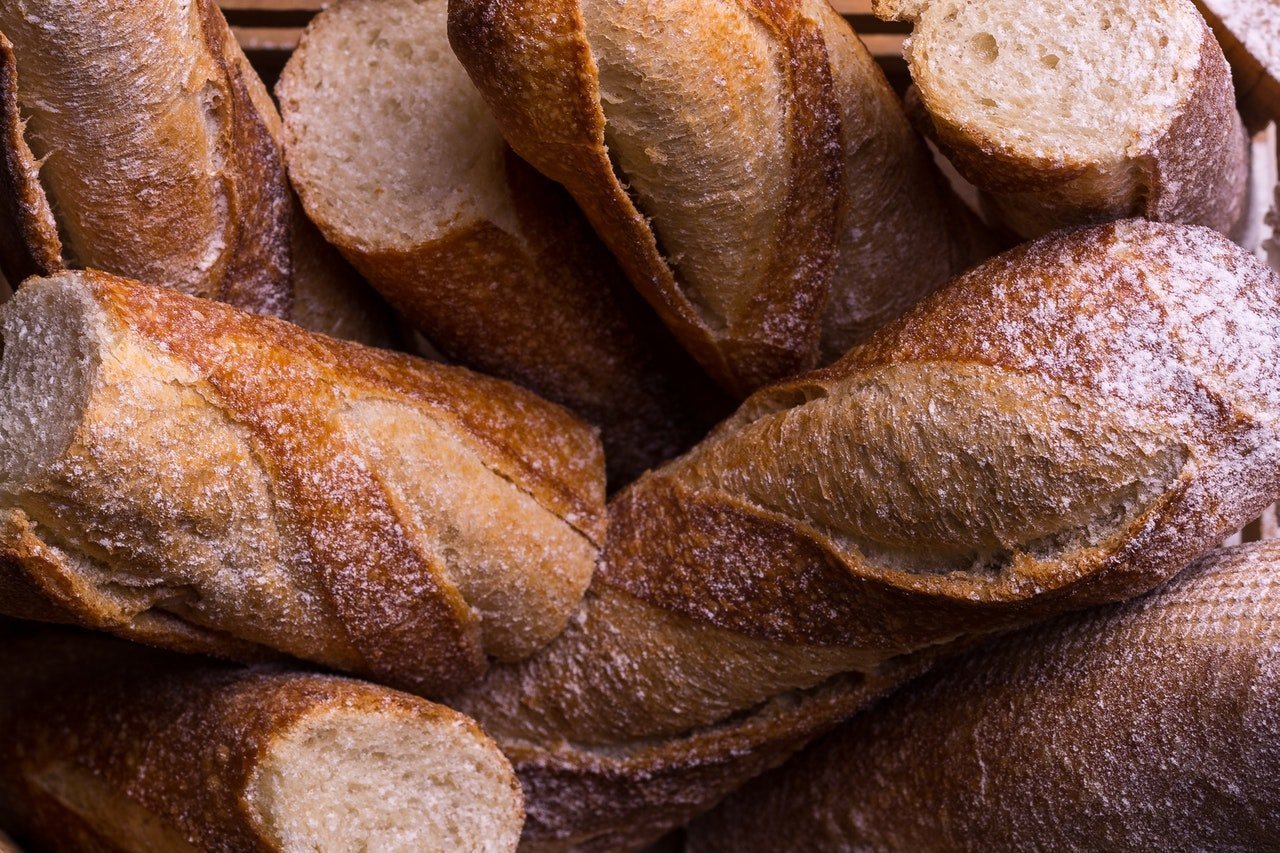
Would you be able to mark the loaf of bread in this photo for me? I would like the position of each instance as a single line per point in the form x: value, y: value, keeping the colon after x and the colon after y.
x: 1153, y: 724
x: 178, y: 472
x: 1068, y: 424
x: 138, y: 140
x: 1069, y: 113
x: 395, y: 156
x: 110, y: 746
x: 746, y: 162
x: 1249, y: 32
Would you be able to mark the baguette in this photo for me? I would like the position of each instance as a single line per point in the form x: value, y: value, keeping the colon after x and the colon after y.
x: 138, y: 140
x: 208, y: 480
x: 1148, y: 725
x: 1067, y: 113
x: 734, y: 157
x: 1068, y: 424
x: 110, y: 746
x: 1249, y: 32
x: 394, y: 155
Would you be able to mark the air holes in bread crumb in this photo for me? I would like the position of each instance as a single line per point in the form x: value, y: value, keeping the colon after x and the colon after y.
x: 984, y: 45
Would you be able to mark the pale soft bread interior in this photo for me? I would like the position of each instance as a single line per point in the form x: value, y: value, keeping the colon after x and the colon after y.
x: 388, y: 140
x: 47, y: 372
x: 693, y: 101
x: 1057, y: 79
x: 346, y: 779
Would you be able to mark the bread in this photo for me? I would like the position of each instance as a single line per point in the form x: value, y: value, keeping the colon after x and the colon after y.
x: 733, y: 157
x: 139, y: 140
x: 206, y: 480
x: 110, y: 746
x: 1068, y: 424
x: 1249, y: 32
x: 396, y: 158
x: 1071, y: 113
x: 1153, y: 724
x: 150, y: 149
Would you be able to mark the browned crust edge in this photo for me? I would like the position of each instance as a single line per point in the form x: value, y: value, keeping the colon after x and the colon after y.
x: 29, y: 242
x: 527, y: 56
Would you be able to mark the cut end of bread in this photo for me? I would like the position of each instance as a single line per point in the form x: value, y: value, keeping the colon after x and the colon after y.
x: 346, y: 778
x: 52, y: 330
x: 387, y: 140
x: 1056, y: 81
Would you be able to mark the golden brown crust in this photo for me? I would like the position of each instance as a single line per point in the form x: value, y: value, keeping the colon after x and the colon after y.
x: 541, y: 448
x: 1136, y: 726
x: 258, y: 269
x: 121, y: 748
x: 29, y: 243
x: 550, y: 311
x: 246, y: 219
x: 1067, y: 424
x: 366, y: 572
x: 829, y: 585
x: 331, y: 298
x: 624, y: 799
x: 533, y: 64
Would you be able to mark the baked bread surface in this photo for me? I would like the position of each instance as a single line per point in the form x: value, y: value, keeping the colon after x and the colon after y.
x: 1067, y: 424
x: 1150, y: 724
x: 119, y: 748
x: 395, y: 156
x: 208, y: 480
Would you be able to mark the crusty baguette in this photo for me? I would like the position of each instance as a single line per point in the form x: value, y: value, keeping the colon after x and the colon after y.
x: 150, y: 148
x: 109, y: 746
x: 733, y: 156
x: 1067, y: 424
x: 202, y: 478
x: 1249, y: 32
x: 1150, y: 725
x: 138, y: 139
x: 1068, y: 113
x: 395, y: 157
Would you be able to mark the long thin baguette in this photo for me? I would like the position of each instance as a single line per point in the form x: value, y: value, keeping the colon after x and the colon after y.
x: 1068, y: 424
x: 1153, y: 724
x: 395, y: 156
x: 109, y: 746
x: 205, y: 479
x: 137, y: 139
x: 1070, y: 113
x: 735, y: 157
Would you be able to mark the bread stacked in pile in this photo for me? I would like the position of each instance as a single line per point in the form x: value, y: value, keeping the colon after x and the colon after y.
x: 538, y: 597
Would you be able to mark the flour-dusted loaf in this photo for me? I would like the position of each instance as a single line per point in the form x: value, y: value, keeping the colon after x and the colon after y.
x: 1069, y: 113
x: 1068, y: 424
x: 110, y: 746
x: 181, y: 473
x: 1153, y: 724
x: 395, y: 155
x: 1249, y: 32
x: 745, y: 161
x: 137, y: 139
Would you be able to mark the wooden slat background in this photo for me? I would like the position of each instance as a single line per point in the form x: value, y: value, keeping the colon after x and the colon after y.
x: 269, y: 29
